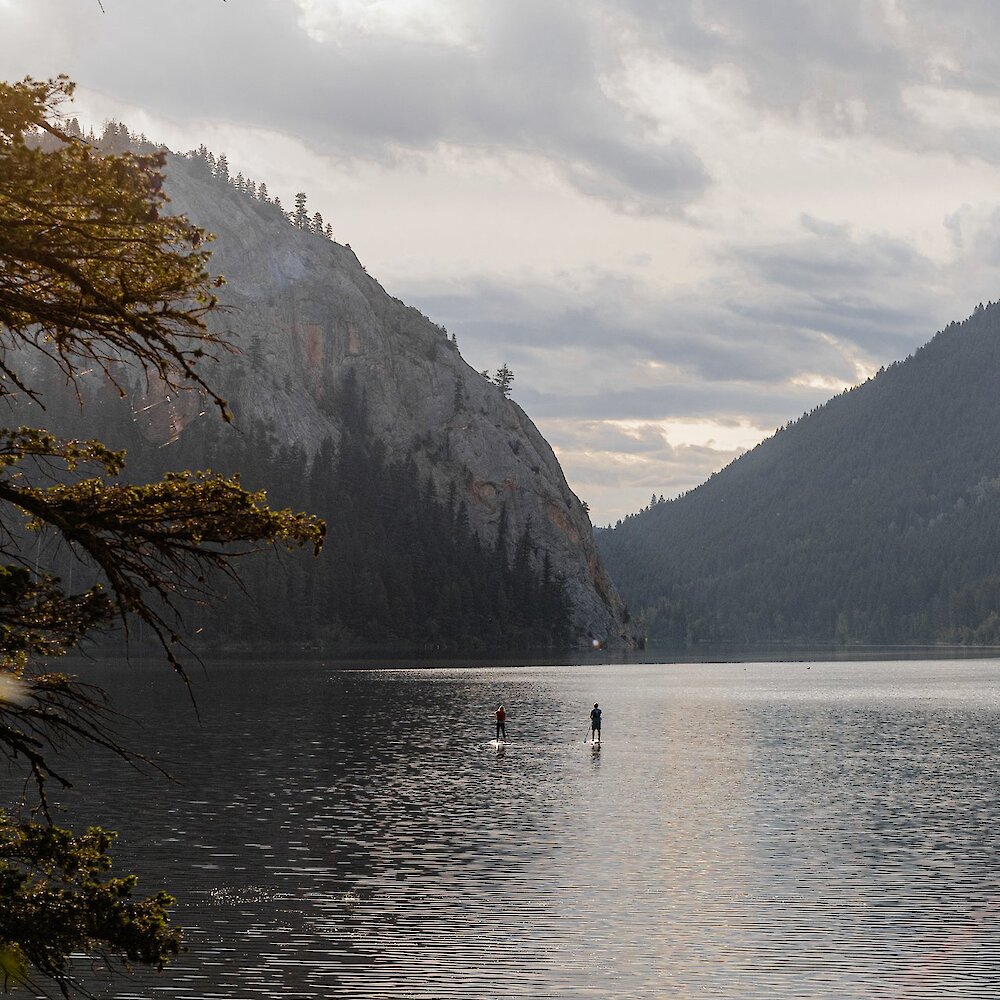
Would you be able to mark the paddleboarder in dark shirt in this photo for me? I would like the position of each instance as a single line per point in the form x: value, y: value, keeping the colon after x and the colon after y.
x: 595, y: 722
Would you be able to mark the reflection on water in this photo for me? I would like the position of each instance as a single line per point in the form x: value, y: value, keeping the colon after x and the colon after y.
x: 746, y: 831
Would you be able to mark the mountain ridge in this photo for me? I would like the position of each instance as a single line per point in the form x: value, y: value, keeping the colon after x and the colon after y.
x: 871, y: 518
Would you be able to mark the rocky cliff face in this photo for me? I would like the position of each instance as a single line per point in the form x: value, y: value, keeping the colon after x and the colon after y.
x: 307, y: 315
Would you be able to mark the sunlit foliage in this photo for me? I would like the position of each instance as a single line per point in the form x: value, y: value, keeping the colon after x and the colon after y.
x: 95, y: 275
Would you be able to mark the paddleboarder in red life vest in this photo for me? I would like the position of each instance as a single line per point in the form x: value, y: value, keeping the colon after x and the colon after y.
x: 502, y: 723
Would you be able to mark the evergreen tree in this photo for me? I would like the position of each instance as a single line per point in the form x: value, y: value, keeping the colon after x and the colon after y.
x: 300, y: 219
x: 504, y: 378
x: 114, y: 138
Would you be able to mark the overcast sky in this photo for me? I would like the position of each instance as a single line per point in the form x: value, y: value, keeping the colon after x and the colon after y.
x: 680, y: 222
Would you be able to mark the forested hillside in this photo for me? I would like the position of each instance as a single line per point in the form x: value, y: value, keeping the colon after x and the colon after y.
x: 402, y: 569
x: 874, y: 518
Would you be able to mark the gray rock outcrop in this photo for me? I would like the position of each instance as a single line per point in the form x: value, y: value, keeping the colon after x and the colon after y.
x: 305, y: 314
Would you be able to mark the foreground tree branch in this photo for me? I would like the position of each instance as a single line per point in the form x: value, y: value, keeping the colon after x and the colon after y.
x: 60, y: 898
x: 94, y: 274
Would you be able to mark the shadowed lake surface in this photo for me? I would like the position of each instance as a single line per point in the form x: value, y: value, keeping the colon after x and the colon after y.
x: 752, y: 830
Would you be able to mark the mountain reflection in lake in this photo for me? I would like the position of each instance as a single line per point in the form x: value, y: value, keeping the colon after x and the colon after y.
x: 746, y: 831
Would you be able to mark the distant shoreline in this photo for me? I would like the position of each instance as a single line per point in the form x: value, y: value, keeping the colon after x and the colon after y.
x: 368, y: 659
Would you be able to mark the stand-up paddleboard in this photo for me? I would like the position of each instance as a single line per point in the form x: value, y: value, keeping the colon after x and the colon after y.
x: 498, y: 744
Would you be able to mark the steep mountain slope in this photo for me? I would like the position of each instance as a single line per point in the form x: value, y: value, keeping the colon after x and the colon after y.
x: 315, y: 328
x: 873, y: 518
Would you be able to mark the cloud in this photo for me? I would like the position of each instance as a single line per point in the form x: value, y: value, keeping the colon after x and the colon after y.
x: 975, y: 233
x: 622, y: 438
x: 820, y: 307
x: 873, y: 294
x: 616, y: 481
x: 797, y: 58
x: 914, y: 73
x: 356, y: 83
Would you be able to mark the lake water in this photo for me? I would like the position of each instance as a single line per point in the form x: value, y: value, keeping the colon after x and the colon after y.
x: 806, y: 830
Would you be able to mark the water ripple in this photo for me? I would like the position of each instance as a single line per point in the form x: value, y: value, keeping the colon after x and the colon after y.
x: 746, y: 831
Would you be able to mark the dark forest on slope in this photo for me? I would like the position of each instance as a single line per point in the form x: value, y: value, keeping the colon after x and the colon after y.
x: 875, y: 518
x: 401, y: 569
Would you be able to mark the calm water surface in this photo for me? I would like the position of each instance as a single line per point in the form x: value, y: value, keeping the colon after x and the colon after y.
x: 747, y: 831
